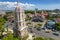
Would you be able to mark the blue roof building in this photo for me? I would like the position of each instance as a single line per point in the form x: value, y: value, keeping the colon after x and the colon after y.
x: 50, y: 24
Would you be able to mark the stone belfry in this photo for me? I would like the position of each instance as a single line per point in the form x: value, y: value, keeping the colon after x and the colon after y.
x: 35, y: 11
x: 20, y: 28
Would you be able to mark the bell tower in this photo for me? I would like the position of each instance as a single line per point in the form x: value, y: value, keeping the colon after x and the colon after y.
x: 20, y: 26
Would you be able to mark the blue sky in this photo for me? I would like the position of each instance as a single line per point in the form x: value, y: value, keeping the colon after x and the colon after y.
x: 31, y: 4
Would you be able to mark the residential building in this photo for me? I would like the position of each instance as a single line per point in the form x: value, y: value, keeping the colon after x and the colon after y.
x: 2, y: 13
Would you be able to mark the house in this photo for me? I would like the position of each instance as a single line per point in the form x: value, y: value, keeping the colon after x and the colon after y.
x: 53, y: 14
x: 2, y: 14
x: 57, y: 19
x: 11, y: 18
x: 30, y: 15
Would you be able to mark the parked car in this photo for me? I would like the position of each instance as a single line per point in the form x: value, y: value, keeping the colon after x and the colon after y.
x: 56, y: 34
x: 44, y: 28
x: 38, y: 29
x: 33, y: 35
x: 48, y: 31
x: 54, y: 30
x: 30, y: 28
x: 31, y: 31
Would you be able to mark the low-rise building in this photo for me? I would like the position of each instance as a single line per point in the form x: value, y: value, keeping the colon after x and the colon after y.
x: 50, y: 24
x: 57, y: 19
x: 30, y: 15
x: 2, y: 14
x: 53, y: 14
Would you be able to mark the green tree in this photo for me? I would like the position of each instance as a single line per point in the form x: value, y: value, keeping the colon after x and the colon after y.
x: 57, y: 26
x: 29, y: 11
x: 38, y: 38
x: 28, y: 23
x: 41, y: 38
x: 2, y: 21
x: 56, y: 10
x: 38, y: 25
x: 51, y: 39
x: 28, y: 18
x: 46, y: 39
x: 9, y: 36
x: 25, y: 38
x: 49, y: 17
x: 1, y: 30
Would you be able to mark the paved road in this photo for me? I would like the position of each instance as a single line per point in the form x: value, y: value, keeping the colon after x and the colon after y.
x: 44, y: 23
x: 9, y: 24
x: 42, y: 33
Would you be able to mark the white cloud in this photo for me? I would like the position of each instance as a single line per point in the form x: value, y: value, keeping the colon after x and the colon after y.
x: 48, y: 6
x: 29, y: 5
x: 14, y: 4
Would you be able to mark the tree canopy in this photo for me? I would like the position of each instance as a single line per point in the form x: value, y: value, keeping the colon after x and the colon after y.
x: 57, y: 26
x: 9, y: 36
x: 41, y: 38
x: 2, y: 21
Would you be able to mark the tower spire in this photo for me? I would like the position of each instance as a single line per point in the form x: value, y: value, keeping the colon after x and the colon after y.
x: 20, y: 28
x: 17, y: 2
